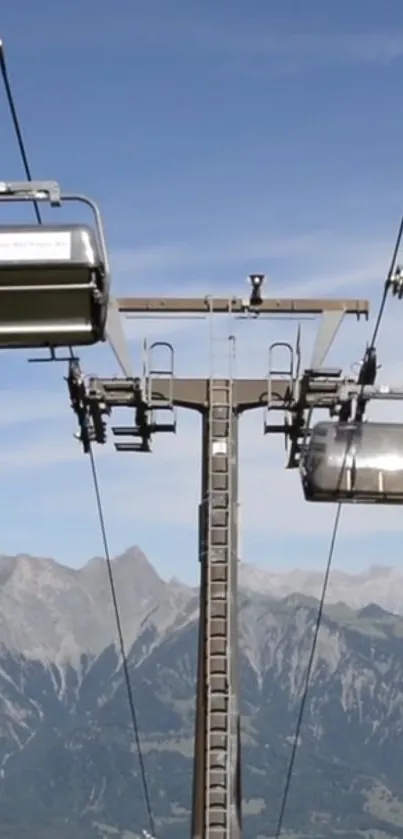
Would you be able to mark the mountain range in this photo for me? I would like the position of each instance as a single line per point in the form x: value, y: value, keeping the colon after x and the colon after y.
x: 68, y: 764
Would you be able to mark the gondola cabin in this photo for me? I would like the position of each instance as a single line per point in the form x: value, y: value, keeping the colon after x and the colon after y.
x: 354, y: 462
x: 54, y: 288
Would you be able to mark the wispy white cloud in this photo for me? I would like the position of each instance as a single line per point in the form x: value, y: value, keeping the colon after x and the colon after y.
x: 253, y: 53
x: 220, y: 251
x: 154, y: 257
x: 250, y: 45
x: 324, y: 258
x: 324, y: 47
x: 208, y: 35
x: 236, y: 36
x: 18, y: 407
x: 44, y: 453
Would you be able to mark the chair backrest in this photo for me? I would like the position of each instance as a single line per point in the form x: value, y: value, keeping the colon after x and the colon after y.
x: 53, y: 286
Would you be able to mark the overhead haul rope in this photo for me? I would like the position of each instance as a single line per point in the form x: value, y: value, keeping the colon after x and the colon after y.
x: 17, y: 125
x: 333, y: 538
x: 100, y: 510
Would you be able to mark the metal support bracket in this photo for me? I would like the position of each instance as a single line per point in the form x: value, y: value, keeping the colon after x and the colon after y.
x: 289, y: 374
x: 141, y: 428
x: 31, y: 191
x: 329, y: 326
x: 53, y: 356
x: 117, y: 339
x: 88, y: 406
x: 326, y: 389
x: 154, y: 372
x: 103, y: 395
x: 318, y: 388
x: 315, y: 381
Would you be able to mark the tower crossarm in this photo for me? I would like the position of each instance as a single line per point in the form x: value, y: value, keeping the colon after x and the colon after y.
x: 238, y: 306
x: 194, y: 393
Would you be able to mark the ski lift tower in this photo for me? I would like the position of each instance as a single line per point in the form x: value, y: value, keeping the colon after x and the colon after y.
x: 221, y: 398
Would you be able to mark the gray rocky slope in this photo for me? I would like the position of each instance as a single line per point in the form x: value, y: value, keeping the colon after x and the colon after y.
x: 68, y: 767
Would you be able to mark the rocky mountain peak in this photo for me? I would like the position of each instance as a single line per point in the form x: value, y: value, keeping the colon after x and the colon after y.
x: 373, y: 612
x: 380, y: 571
x: 132, y: 561
x: 378, y: 584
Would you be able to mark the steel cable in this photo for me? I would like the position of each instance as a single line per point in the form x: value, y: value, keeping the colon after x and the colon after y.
x: 125, y: 665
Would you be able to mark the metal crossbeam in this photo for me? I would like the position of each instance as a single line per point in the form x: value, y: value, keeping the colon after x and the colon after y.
x: 194, y: 393
x: 224, y: 305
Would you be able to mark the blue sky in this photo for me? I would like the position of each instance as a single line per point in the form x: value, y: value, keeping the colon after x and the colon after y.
x: 217, y: 139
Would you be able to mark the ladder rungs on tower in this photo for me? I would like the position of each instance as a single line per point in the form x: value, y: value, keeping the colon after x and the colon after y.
x: 218, y: 565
